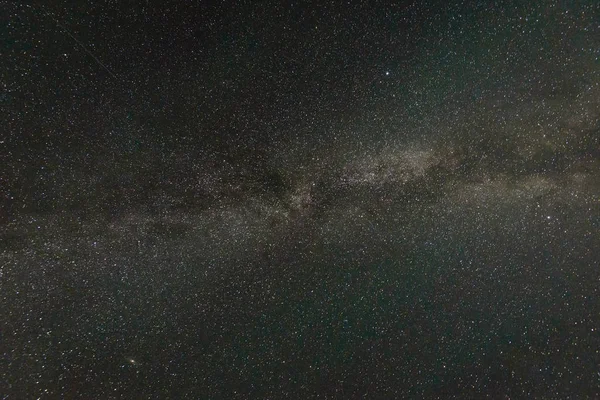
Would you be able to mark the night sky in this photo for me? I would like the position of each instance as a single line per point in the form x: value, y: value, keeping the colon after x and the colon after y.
x: 277, y: 199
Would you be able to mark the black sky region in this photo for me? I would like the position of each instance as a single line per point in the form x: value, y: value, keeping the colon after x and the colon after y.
x: 333, y: 200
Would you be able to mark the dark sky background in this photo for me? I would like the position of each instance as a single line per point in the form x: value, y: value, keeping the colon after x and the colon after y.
x: 332, y: 200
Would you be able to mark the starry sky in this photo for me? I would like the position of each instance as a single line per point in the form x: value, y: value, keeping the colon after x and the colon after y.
x: 328, y: 200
